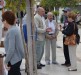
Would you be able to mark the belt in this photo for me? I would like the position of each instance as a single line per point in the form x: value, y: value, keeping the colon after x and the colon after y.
x: 50, y: 34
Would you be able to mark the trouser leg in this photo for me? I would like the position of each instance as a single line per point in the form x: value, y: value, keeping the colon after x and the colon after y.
x: 53, y: 48
x: 15, y: 69
x: 47, y: 50
x: 72, y: 53
x: 66, y: 52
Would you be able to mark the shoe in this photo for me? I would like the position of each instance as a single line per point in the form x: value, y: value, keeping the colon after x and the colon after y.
x: 72, y: 69
x: 47, y: 62
x: 39, y: 67
x: 63, y: 64
x: 67, y: 65
x: 42, y: 65
x: 54, y: 62
x: 59, y: 47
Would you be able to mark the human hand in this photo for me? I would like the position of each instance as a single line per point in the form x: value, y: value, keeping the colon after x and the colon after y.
x: 49, y: 37
x: 48, y: 30
x: 53, y: 37
x: 6, y: 66
x: 61, y: 28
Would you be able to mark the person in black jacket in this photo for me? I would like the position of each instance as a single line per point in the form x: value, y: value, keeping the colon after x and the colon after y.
x: 65, y: 47
x: 70, y: 29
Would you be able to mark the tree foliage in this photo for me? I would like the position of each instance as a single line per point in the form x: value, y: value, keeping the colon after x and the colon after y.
x: 15, y: 5
x: 50, y: 3
x: 58, y: 3
x: 70, y: 3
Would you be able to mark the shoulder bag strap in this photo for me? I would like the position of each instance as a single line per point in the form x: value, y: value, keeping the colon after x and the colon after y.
x: 74, y: 28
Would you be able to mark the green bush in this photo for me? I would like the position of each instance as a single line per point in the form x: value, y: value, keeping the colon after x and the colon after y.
x: 56, y: 13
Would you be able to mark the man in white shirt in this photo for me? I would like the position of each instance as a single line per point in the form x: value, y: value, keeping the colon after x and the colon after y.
x: 51, y: 38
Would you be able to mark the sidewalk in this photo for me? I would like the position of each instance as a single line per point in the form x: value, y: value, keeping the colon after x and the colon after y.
x: 58, y: 69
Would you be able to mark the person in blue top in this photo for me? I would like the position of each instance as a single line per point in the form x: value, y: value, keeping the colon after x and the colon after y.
x: 25, y: 32
x: 25, y: 28
x: 13, y: 44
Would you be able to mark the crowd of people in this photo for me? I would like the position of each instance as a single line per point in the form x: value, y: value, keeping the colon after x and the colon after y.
x: 47, y: 33
x: 46, y: 36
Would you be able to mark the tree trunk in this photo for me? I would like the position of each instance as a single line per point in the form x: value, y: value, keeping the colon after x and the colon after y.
x: 31, y: 36
x: 26, y: 50
x: 25, y: 45
x: 33, y: 40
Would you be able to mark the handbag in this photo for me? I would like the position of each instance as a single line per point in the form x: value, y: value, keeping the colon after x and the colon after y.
x: 70, y: 40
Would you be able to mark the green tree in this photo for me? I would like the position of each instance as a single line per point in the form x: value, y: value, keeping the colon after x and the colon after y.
x: 14, y: 5
x: 50, y: 4
x: 55, y: 13
x: 69, y: 3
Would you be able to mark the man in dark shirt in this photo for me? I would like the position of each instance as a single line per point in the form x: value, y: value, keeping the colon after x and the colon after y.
x: 65, y: 47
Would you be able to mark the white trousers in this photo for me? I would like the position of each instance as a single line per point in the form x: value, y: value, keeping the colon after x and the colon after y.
x: 72, y: 55
x: 50, y: 46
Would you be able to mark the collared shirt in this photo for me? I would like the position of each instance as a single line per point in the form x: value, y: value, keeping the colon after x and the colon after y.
x: 52, y: 26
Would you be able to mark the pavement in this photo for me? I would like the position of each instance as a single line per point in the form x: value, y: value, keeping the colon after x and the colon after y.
x: 58, y: 69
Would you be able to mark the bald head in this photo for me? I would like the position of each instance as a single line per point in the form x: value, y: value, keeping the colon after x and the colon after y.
x: 50, y: 16
x: 40, y: 11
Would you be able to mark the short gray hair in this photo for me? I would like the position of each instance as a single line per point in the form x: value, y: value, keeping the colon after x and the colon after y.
x: 49, y: 13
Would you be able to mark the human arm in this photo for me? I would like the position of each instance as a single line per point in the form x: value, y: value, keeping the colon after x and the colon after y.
x: 39, y: 29
x: 11, y: 47
x: 69, y: 30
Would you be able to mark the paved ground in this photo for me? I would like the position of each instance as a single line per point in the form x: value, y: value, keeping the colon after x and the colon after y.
x: 58, y: 69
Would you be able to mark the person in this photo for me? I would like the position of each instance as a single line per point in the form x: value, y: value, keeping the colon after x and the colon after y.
x: 40, y: 35
x: 24, y: 26
x: 70, y: 30
x: 65, y: 47
x: 51, y: 38
x: 13, y: 44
